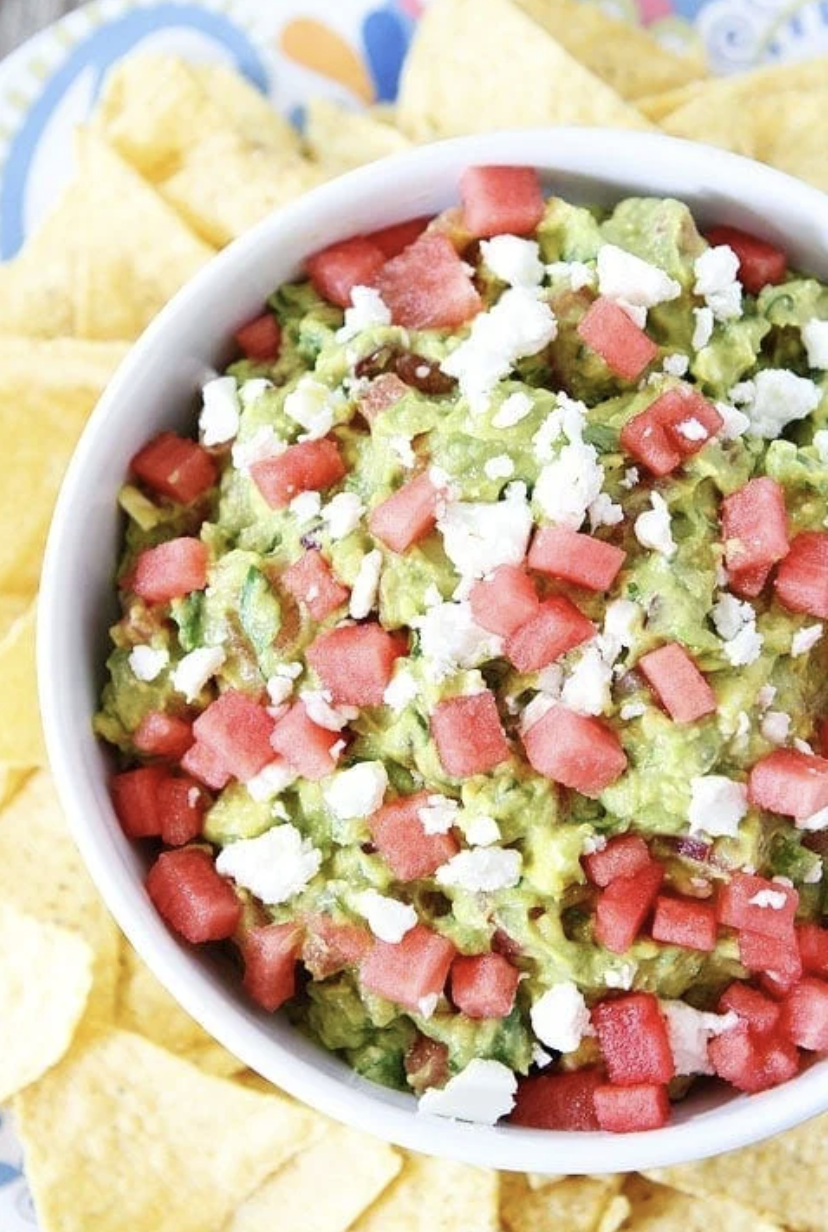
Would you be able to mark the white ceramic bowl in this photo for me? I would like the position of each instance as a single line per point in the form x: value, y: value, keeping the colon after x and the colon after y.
x: 155, y: 389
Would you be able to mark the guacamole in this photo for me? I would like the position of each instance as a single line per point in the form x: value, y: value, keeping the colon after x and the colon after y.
x: 470, y: 678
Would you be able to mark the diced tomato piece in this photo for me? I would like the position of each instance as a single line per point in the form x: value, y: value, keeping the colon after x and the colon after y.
x: 355, y: 662
x: 504, y: 601
x: 410, y: 970
x: 575, y: 750
x: 752, y: 1062
x: 192, y: 897
x: 575, y: 557
x: 754, y: 529
x: 181, y: 807
x: 501, y: 200
x: 310, y: 580
x: 206, y: 765
x: 557, y: 627
x: 628, y: 1110
x: 624, y: 348
x: 558, y: 1101
x: 623, y: 856
x: 171, y: 569
x: 135, y: 800
x: 789, y: 782
x: 385, y: 390
x: 305, y: 746
x: 658, y: 436
x: 740, y: 905
x: 677, y: 682
x: 776, y: 957
x: 757, y: 1012
x: 395, y: 239
x: 261, y: 338
x: 428, y: 286
x: 633, y: 1036
x: 270, y: 955
x: 175, y: 467
x: 468, y: 734
x: 426, y: 1064
x: 336, y: 270
x: 238, y: 730
x: 813, y: 948
x: 624, y: 906
x: 805, y: 1015
x: 407, y: 516
x: 163, y: 735
x: 484, y: 985
x: 760, y: 263
x: 401, y: 840
x: 802, y: 580
x: 687, y: 922
x: 329, y: 947
x: 310, y: 466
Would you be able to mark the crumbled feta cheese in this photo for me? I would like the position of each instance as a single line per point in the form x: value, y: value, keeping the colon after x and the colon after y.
x: 735, y: 423
x: 631, y: 477
x: 540, y: 1057
x: 388, y: 918
x: 622, y: 976
x: 568, y: 419
x: 703, y: 329
x: 678, y: 366
x: 263, y: 444
x: 815, y: 338
x: 690, y: 1031
x: 356, y: 792
x: 817, y: 821
x: 250, y: 391
x: 586, y: 689
x: 570, y: 484
x: 540, y: 705
x: 275, y: 778
x: 482, y: 1093
x: 633, y: 283
x: 439, y: 814
x: 560, y: 1018
x: 513, y: 260
x: 622, y: 623
x: 652, y: 528
x: 550, y: 679
x: 477, y: 537
x: 692, y: 430
x: 717, y: 282
x: 814, y: 874
x: 367, y: 311
x: 275, y: 867
x: 317, y: 703
x: 717, y: 805
x: 311, y: 405
x: 483, y: 869
x: 604, y: 512
x: 803, y: 746
x: 279, y: 689
x: 432, y: 596
x: 765, y: 696
x: 481, y: 831
x: 219, y: 418
x: 735, y: 623
x: 774, y: 900
x: 400, y: 690
x: 402, y: 447
x: 366, y: 585
x: 450, y: 639
x: 632, y: 710
x: 195, y: 669
x: 147, y: 663
x: 577, y: 273
x: 343, y: 514
x: 776, y: 726
x: 593, y: 843
x: 427, y: 1005
x: 499, y: 467
x: 512, y: 410
x: 774, y: 398
x: 805, y: 640
x: 306, y: 506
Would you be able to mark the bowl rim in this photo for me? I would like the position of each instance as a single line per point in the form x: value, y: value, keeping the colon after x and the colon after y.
x: 599, y: 155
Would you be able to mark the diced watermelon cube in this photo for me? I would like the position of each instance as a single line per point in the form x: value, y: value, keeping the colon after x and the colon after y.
x: 659, y: 436
x: 789, y: 782
x: 174, y: 467
x: 261, y: 338
x: 135, y: 800
x: 355, y: 662
x: 401, y: 839
x: 802, y: 580
x: 686, y: 922
x: 623, y: 856
x: 171, y: 570
x: 576, y: 750
x: 677, y: 682
x: 310, y: 466
x: 557, y: 627
x: 395, y: 239
x: 238, y: 730
x: 270, y: 954
x: 468, y: 734
x: 428, y: 286
x: 804, y: 1018
x: 181, y: 807
x: 206, y: 765
x: 754, y: 530
x: 748, y: 583
x: 336, y: 270
x: 624, y: 906
x: 163, y: 735
x: 757, y: 1012
x: 407, y: 516
x: 558, y: 1101
x: 758, y: 905
x: 773, y: 957
x: 633, y: 1036
x: 760, y: 263
x: 580, y: 559
x: 752, y: 1062
x: 624, y: 348
x: 192, y: 897
x: 484, y: 985
x: 631, y: 1109
x: 813, y: 948
x: 410, y: 970
x: 310, y: 580
x: 385, y: 390
x: 504, y: 601
x: 305, y: 746
x: 329, y: 946
x: 501, y: 200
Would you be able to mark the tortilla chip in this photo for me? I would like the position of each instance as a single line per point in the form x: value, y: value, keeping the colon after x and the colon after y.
x: 626, y: 57
x: 42, y: 874
x: 21, y: 736
x: 36, y: 288
x: 435, y: 1195
x: 12, y: 606
x: 356, y: 1169
x: 657, y: 1208
x: 340, y: 139
x: 123, y: 1135
x: 47, y: 391
x: 212, y: 1058
x: 477, y: 65
x: 11, y: 782
x: 577, y: 1203
x: 616, y: 1214
x: 250, y: 112
x: 45, y: 978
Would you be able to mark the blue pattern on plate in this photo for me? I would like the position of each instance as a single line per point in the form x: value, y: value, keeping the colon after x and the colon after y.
x: 386, y: 34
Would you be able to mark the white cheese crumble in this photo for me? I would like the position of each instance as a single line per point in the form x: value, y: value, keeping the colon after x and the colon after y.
x: 577, y: 273
x: 368, y: 310
x: 401, y: 446
x: 568, y: 419
x: 343, y: 514
x: 401, y: 690
x: 604, y: 512
x: 439, y: 814
x: 499, y: 467
x: 275, y: 778
x: 195, y: 669
x: 388, y: 918
x: 703, y: 329
x: 817, y: 821
x: 653, y: 529
x: 560, y: 1017
x: 478, y: 537
x: 366, y: 585
x: 805, y: 639
x: 622, y: 976
x: 692, y: 430
x: 275, y: 867
x: 450, y: 639
x: 735, y: 423
x: 280, y: 685
x: 774, y: 900
x: 717, y: 805
x: 250, y: 391
x: 632, y: 710
x: 481, y: 830
x: 765, y: 696
x: 623, y: 621
x: 586, y: 689
x: 311, y: 405
x: 482, y: 1093
x: 513, y: 260
x: 219, y: 418
x: 569, y: 485
x: 774, y: 398
x: 633, y: 283
x: 540, y: 1057
x: 678, y: 366
x: 717, y: 282
x: 540, y: 705
x: 147, y: 663
x: 689, y: 1031
x: 356, y: 792
x: 482, y: 869
x: 317, y: 703
x: 735, y: 623
x: 305, y: 507
x: 263, y: 444
x: 815, y: 338
x: 512, y: 410
x: 776, y: 726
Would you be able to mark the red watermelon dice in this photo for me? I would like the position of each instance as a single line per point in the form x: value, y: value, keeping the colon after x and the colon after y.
x: 310, y: 466
x: 407, y: 516
x: 174, y: 467
x: 623, y: 856
x: 677, y: 682
x: 624, y: 906
x: 633, y: 1036
x: 752, y: 1062
x: 759, y: 905
x: 306, y: 747
x: 687, y: 922
x: 760, y: 263
x: 310, y: 581
x: 558, y: 1101
x: 754, y: 532
x: 428, y: 286
x: 135, y: 800
x: 163, y: 735
x: 238, y: 730
x: 483, y: 985
x: 504, y: 601
x: 206, y: 765
x: 556, y: 627
x: 675, y: 426
x: 501, y: 200
x: 789, y: 782
x: 773, y: 957
x: 576, y: 750
x: 171, y: 570
x: 192, y: 897
x: 355, y: 662
x: 395, y: 239
x: 330, y: 946
x: 181, y: 807
x: 624, y: 348
x: 409, y: 971
x: 631, y: 1109
x: 813, y: 948
x: 339, y: 268
x: 385, y: 390
x: 804, y: 1019
x: 468, y: 734
x: 802, y: 580
x: 270, y: 954
x: 260, y: 339
x: 401, y: 839
x: 573, y: 557
x: 756, y: 1011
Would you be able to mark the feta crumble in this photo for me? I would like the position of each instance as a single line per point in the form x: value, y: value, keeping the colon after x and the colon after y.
x: 317, y: 703
x: 692, y: 430
x: 805, y: 639
x: 735, y: 423
x: 388, y: 918
x: 195, y: 669
x: 219, y: 418
x: 482, y: 869
x: 586, y: 689
x: 512, y: 410
x: 604, y: 512
x: 774, y: 900
x: 250, y: 391
x: 478, y: 536
x: 735, y: 623
x: 577, y: 273
x: 717, y: 282
x: 632, y: 710
x: 775, y: 726
x: 275, y: 778
x: 774, y: 398
x: 311, y: 405
x: 815, y: 339
x: 689, y: 1031
x: 402, y: 447
x: 622, y: 976
x: 450, y: 639
x: 817, y: 821
x: 560, y: 1018
x: 343, y: 514
x: 569, y: 485
x: 631, y: 477
x: 481, y: 831
x: 147, y: 663
x: 653, y: 529
x: 482, y: 1093
x: 633, y: 283
x: 439, y: 814
x: 717, y: 805
x: 275, y: 867
x: 513, y: 260
x: 499, y: 467
x: 356, y: 792
x: 366, y: 585
x: 401, y: 690
x: 263, y: 444
x: 703, y: 329
x: 305, y: 507
x: 368, y: 310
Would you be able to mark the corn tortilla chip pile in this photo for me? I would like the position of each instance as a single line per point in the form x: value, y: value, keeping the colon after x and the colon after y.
x: 132, y: 1117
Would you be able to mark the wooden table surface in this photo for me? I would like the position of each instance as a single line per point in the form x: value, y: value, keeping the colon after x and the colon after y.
x: 21, y: 18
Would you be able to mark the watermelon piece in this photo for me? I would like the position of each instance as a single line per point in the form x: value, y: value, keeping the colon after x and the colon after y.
x: 750, y: 1062
x: 401, y: 839
x: 748, y: 583
x: 789, y: 782
x: 623, y: 856
x: 776, y: 958
x: 677, y: 683
x: 181, y: 807
x: 687, y: 922
x: 558, y: 1101
x: 270, y: 954
x: 135, y: 800
x: 407, y: 516
x: 631, y: 1109
x: 310, y: 581
x: 576, y: 750
x: 483, y: 985
x: 174, y: 467
x: 760, y: 263
x: 557, y: 627
x: 428, y: 286
x: 393, y: 240
x: 329, y: 946
x: 658, y: 436
x: 624, y: 906
x: 355, y: 662
x: 625, y: 349
x: 409, y: 971
x: 573, y: 557
x: 311, y: 466
x: 339, y: 268
x: 385, y: 390
x: 759, y: 905
x: 163, y: 735
x: 802, y: 579
x: 754, y: 531
x: 206, y: 765
x: 757, y: 1012
x: 633, y: 1036
x: 260, y: 339
x: 468, y: 734
x: 171, y: 570
x: 191, y: 896
x: 501, y: 200
x: 238, y: 730
x: 306, y: 747
x: 504, y: 601
x: 813, y: 948
x: 804, y: 1018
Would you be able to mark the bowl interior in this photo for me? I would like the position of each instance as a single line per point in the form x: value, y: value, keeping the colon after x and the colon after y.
x: 156, y: 388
